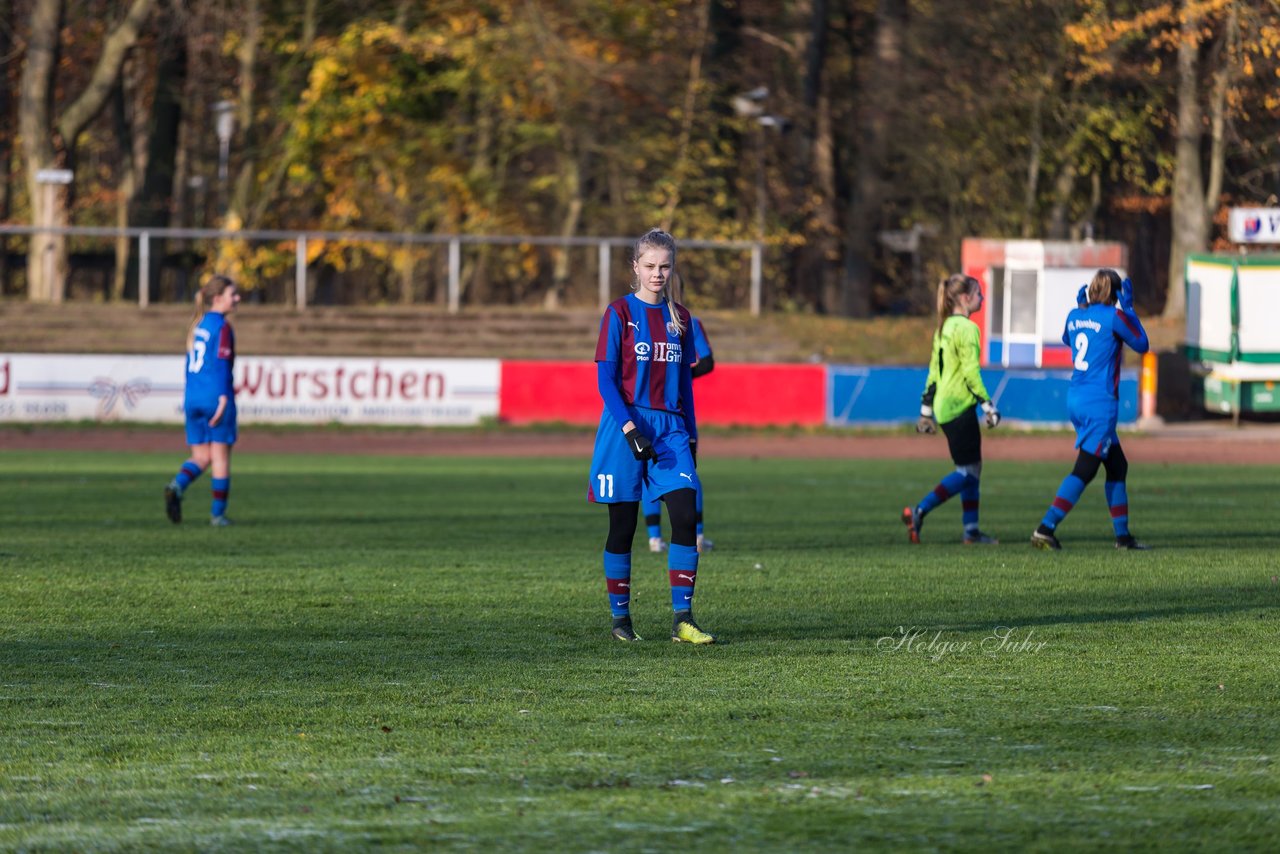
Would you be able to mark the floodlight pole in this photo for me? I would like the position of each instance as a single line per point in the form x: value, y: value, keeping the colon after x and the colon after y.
x: 224, y: 118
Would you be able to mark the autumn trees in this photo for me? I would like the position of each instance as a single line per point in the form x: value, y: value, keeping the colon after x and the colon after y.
x: 1126, y: 120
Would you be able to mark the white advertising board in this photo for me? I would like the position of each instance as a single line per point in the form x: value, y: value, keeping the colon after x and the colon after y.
x: 1253, y: 225
x: 269, y: 389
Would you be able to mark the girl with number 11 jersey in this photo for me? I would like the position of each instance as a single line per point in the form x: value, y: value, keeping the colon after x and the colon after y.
x: 648, y: 433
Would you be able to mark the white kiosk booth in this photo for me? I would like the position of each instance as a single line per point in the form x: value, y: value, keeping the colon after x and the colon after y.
x: 1232, y: 335
x: 1031, y: 285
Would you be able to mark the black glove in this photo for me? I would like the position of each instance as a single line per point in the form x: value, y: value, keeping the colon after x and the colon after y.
x: 693, y: 449
x: 641, y: 447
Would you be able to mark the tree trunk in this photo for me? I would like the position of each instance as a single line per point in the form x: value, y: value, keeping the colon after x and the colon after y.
x: 1222, y: 80
x: 6, y: 141
x: 127, y: 188
x: 571, y: 176
x: 34, y: 110
x: 1190, y: 225
x: 816, y: 263
x: 1063, y: 186
x: 877, y: 93
x: 47, y: 144
x: 1032, y: 187
x: 681, y: 168
x: 236, y: 210
x: 154, y: 203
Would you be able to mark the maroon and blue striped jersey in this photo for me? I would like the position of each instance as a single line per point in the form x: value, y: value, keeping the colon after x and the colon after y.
x: 1096, y: 335
x: 650, y: 354
x: 211, y: 360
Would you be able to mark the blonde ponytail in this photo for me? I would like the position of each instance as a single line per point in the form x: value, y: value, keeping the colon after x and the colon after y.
x: 210, y: 289
x: 950, y: 290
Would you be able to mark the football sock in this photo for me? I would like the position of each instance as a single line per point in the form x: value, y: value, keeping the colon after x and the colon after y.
x: 221, y: 489
x: 969, y: 504
x: 187, y: 475
x: 950, y: 485
x: 654, y: 524
x: 682, y: 570
x: 1068, y: 494
x: 1118, y: 501
x: 617, y: 578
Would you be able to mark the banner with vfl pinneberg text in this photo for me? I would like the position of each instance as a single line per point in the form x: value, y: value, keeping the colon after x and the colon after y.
x: 282, y: 390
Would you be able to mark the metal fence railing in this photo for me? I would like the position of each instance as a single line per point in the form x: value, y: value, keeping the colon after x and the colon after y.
x: 453, y: 243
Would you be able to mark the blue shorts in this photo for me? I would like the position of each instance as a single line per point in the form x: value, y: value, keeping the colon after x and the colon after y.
x: 198, y: 430
x: 616, y: 475
x: 1095, y: 430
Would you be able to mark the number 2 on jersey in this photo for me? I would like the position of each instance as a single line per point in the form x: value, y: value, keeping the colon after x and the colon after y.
x: 1082, y: 347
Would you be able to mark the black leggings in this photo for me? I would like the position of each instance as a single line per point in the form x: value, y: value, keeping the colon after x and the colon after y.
x: 681, y: 508
x: 1116, y: 464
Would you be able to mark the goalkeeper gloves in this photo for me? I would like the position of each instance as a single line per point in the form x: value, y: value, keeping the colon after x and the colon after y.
x: 990, y: 414
x: 641, y: 447
x: 926, y: 424
x: 1126, y: 296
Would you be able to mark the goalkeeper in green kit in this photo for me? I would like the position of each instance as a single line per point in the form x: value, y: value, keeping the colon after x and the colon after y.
x: 953, y: 399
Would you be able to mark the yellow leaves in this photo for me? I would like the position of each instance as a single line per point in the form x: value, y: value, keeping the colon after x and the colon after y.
x: 343, y: 209
x: 1097, y: 36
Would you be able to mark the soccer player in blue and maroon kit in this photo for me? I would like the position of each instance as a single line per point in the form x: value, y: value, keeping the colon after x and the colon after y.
x: 704, y: 363
x: 1097, y: 330
x: 648, y: 432
x: 209, y: 401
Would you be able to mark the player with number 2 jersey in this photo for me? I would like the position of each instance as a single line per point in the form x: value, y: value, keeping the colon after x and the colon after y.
x: 1097, y: 331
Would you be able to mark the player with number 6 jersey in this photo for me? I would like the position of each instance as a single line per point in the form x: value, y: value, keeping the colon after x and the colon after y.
x: 648, y: 432
x: 209, y: 401
x: 1097, y: 331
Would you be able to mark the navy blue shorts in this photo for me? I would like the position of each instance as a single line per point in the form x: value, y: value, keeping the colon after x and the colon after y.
x: 616, y: 475
x: 199, y: 432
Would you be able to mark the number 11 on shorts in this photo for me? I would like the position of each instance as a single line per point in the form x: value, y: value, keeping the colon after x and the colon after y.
x: 606, y: 485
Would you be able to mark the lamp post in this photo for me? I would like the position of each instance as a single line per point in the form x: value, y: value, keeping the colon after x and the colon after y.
x: 750, y: 105
x: 224, y: 116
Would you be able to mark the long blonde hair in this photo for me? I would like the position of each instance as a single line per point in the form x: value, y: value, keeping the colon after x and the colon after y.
x: 656, y: 238
x: 206, y: 295
x: 1104, y: 289
x: 950, y: 290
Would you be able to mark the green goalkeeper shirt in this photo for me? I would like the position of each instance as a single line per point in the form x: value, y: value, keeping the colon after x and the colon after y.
x: 954, y: 385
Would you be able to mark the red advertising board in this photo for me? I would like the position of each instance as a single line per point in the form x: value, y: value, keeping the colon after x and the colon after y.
x: 747, y: 395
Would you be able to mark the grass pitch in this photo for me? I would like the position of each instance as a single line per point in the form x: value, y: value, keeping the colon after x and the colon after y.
x: 413, y: 653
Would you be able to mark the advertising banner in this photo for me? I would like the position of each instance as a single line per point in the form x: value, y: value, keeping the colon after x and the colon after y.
x: 868, y: 396
x: 275, y: 389
x: 742, y: 394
